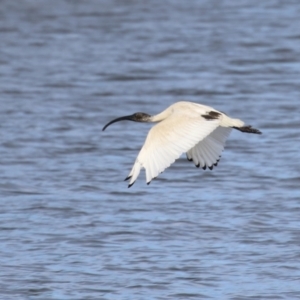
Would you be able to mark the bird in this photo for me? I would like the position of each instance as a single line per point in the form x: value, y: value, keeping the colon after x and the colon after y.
x: 198, y: 130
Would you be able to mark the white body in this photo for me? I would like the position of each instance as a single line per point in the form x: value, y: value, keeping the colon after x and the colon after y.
x: 182, y: 128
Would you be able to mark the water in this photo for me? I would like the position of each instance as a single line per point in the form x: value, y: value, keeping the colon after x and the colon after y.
x: 70, y: 228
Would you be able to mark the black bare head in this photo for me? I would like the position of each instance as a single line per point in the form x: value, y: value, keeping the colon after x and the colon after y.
x: 137, y: 117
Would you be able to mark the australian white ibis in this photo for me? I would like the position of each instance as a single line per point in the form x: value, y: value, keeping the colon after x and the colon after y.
x: 199, y: 131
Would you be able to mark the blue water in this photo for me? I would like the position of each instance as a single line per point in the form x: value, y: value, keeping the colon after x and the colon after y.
x: 69, y: 226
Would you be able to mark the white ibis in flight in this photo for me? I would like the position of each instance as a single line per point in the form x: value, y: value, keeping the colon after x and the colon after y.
x: 198, y: 130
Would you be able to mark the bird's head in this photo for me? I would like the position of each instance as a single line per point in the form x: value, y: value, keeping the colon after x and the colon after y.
x: 136, y: 117
x: 140, y: 117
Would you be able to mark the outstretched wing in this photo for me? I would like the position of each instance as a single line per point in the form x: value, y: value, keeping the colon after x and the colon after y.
x: 166, y: 142
x: 208, y: 151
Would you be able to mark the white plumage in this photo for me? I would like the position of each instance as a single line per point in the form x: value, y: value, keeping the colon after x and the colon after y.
x: 184, y: 127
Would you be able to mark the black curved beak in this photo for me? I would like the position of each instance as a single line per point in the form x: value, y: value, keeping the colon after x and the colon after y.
x: 130, y: 118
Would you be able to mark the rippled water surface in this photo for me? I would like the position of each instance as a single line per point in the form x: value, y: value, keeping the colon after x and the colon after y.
x: 69, y: 226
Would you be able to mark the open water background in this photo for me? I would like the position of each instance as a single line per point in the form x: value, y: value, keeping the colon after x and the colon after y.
x: 70, y: 228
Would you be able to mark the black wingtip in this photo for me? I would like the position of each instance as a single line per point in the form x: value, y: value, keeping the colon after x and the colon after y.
x: 204, y: 168
x: 248, y: 129
x: 188, y: 158
x: 131, y: 184
x: 148, y: 182
x: 127, y: 178
x: 211, y: 167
